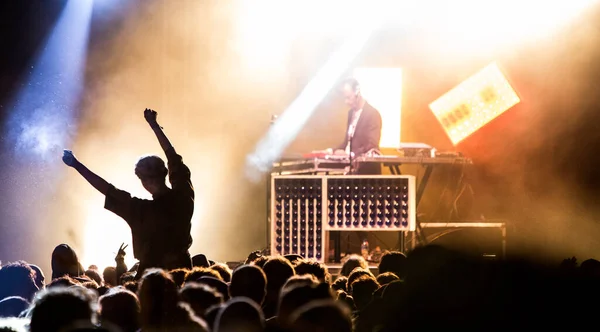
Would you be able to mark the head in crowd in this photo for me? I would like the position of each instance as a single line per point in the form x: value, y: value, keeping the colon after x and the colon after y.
x: 17, y: 279
x: 344, y: 297
x: 200, y: 297
x: 392, y: 294
x: 249, y: 281
x: 395, y: 262
x: 303, y: 280
x: 352, y: 262
x: 127, y: 277
x: 64, y: 281
x: 91, y: 285
x: 110, y: 276
x: 321, y: 315
x: 340, y: 283
x: 298, y: 295
x: 151, y: 170
x: 95, y: 276
x: 59, y: 308
x: 102, y: 290
x: 386, y: 277
x: 210, y: 315
x: 121, y: 308
x: 40, y: 278
x: 293, y: 258
x: 65, y: 262
x: 158, y: 297
x: 131, y: 286
x: 198, y: 272
x: 223, y: 270
x: 313, y: 268
x: 357, y: 273
x: 362, y: 290
x: 160, y: 307
x: 12, y: 306
x: 590, y: 267
x: 178, y: 276
x: 240, y: 315
x: 219, y: 285
x: 200, y: 260
x: 260, y: 261
x: 278, y: 270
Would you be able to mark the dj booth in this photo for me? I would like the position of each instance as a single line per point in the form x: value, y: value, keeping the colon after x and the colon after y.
x: 313, y: 197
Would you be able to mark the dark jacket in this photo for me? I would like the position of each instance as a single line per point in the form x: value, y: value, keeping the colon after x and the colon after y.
x: 366, y: 137
x: 367, y: 133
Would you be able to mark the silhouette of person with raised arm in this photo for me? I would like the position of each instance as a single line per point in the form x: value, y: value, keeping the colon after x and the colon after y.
x: 160, y: 227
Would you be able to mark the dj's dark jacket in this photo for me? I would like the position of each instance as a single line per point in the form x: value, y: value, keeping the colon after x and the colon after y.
x: 367, y: 133
x: 366, y: 137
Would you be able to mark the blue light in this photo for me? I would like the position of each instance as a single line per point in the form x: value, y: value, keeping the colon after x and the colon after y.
x: 42, y: 121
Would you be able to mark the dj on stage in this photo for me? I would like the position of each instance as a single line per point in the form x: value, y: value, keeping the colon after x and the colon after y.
x: 363, y: 130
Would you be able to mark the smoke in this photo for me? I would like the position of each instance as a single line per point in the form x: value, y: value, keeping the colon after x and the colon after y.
x: 182, y: 59
x: 44, y: 134
x: 177, y: 59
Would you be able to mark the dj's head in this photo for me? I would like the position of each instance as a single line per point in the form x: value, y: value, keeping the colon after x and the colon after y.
x: 351, y: 92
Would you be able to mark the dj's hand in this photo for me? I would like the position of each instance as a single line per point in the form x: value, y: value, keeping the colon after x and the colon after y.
x: 339, y: 152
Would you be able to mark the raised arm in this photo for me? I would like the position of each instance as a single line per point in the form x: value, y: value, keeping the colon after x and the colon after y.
x: 150, y: 116
x: 179, y: 173
x: 97, y: 182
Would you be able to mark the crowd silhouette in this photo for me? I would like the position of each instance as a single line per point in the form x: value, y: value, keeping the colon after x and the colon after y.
x: 429, y: 288
x: 426, y: 289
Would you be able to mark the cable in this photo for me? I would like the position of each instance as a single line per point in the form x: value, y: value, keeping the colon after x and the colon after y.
x: 444, y: 190
x: 459, y: 183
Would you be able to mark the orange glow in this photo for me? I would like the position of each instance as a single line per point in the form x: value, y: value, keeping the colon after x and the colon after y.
x: 474, y: 103
x: 382, y: 88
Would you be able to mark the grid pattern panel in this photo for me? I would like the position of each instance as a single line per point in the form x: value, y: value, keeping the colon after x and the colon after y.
x: 369, y: 203
x: 297, y: 216
x: 305, y: 207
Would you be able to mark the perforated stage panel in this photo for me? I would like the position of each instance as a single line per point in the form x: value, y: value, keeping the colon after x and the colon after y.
x: 305, y: 208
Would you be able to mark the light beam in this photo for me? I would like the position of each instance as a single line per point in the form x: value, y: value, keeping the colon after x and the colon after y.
x: 289, y: 124
x: 42, y: 120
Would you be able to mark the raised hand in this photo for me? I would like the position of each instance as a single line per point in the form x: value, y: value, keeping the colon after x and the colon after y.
x: 69, y: 158
x: 253, y: 256
x: 121, y: 253
x: 150, y: 116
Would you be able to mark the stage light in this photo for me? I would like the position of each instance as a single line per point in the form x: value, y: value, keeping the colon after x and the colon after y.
x: 382, y: 88
x: 480, y: 28
x: 474, y: 103
x: 287, y: 126
x: 42, y: 120
x: 104, y: 233
x: 266, y: 29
